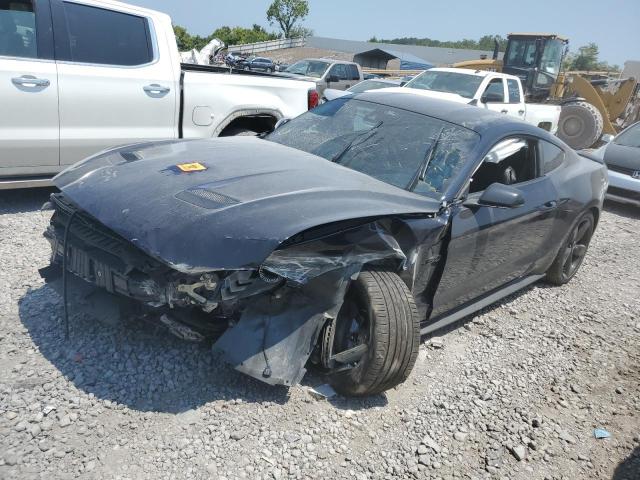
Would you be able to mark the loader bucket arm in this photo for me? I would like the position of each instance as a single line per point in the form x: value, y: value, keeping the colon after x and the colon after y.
x: 610, y: 104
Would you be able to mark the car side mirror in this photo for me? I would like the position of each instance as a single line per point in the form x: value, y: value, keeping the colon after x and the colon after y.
x: 491, y: 97
x: 333, y: 79
x: 500, y: 195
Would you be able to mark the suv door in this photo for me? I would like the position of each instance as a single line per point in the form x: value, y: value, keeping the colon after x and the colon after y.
x: 116, y: 80
x: 492, y: 246
x: 29, y: 128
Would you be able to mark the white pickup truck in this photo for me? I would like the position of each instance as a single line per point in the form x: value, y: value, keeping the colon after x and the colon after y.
x: 79, y: 76
x: 492, y: 90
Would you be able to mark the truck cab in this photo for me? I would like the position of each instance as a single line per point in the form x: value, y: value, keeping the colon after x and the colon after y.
x: 494, y: 91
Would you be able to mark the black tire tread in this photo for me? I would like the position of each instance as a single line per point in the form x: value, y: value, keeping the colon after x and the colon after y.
x: 396, y: 333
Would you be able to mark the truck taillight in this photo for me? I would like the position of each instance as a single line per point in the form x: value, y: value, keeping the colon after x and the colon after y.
x: 312, y: 99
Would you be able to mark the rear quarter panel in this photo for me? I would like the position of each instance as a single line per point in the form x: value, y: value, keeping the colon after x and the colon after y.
x: 222, y: 96
x: 581, y: 185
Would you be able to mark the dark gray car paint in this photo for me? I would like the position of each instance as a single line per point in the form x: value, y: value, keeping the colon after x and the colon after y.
x: 257, y: 201
x: 252, y: 196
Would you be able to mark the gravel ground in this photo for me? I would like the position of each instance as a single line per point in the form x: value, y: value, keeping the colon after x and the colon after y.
x: 515, y: 392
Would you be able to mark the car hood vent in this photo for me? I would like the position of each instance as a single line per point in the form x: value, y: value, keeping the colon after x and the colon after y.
x: 205, y: 198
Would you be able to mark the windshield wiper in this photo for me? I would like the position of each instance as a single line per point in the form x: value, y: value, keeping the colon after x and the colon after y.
x: 366, y: 134
x: 429, y: 156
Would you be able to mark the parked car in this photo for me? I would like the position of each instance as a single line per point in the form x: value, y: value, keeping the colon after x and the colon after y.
x: 491, y: 90
x: 258, y: 64
x: 326, y: 73
x: 101, y: 90
x: 363, y: 86
x: 340, y: 238
x: 622, y: 158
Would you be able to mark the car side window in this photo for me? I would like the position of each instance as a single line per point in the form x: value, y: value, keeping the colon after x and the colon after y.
x: 509, y: 162
x: 495, y: 89
x: 514, y: 90
x: 18, y: 29
x: 340, y: 71
x: 106, y: 37
x: 353, y: 70
x: 551, y: 157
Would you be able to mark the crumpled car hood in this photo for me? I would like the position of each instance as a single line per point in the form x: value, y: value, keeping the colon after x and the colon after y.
x: 233, y: 210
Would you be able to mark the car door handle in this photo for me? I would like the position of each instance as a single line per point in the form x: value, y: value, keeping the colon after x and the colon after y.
x: 504, y: 111
x: 549, y: 205
x: 157, y: 89
x: 30, y: 81
x: 520, y: 112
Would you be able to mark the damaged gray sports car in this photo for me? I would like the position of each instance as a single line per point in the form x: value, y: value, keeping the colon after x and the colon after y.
x: 337, y: 240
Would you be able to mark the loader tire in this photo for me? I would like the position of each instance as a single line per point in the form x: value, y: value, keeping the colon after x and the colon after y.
x: 580, y: 125
x: 388, y: 324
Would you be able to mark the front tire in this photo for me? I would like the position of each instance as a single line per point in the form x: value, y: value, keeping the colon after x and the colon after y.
x: 572, y: 252
x: 379, y: 312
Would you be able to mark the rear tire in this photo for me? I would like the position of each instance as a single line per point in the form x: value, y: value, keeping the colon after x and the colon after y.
x: 572, y: 252
x: 580, y: 125
x: 390, y: 328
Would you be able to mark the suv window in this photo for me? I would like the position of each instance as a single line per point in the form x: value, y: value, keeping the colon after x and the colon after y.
x: 496, y: 87
x: 514, y: 90
x: 339, y: 70
x: 551, y: 157
x: 96, y: 35
x: 18, y: 29
x: 353, y: 70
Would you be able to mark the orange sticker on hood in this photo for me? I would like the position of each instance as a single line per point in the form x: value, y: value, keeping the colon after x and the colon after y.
x: 191, y: 167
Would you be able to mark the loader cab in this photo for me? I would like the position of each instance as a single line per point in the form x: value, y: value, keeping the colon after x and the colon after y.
x: 536, y: 59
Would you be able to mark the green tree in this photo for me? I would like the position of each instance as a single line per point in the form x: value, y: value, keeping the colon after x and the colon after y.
x: 485, y: 42
x: 587, y: 58
x: 286, y: 13
x: 185, y: 41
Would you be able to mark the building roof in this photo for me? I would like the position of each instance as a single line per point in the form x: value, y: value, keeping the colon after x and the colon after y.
x: 432, y: 55
x: 408, y: 61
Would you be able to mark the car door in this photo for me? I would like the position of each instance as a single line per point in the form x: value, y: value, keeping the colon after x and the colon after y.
x: 494, y: 97
x: 29, y: 127
x: 515, y: 103
x: 492, y: 246
x: 116, y: 79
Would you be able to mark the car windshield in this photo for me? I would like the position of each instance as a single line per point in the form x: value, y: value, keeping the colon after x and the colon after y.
x: 630, y: 137
x: 399, y: 147
x: 370, y: 85
x: 310, y: 68
x: 461, y: 84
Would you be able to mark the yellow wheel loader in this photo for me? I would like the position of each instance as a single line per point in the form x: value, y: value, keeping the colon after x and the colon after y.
x: 591, y: 107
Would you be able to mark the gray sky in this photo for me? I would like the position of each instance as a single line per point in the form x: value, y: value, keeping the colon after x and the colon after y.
x: 613, y: 24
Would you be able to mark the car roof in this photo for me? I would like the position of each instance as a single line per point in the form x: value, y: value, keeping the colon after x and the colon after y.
x: 480, y: 120
x: 470, y: 71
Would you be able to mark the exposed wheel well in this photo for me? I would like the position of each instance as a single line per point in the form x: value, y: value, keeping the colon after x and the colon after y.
x: 255, y: 123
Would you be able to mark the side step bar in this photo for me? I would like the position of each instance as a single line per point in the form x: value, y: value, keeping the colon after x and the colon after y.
x: 25, y: 182
x: 441, y: 322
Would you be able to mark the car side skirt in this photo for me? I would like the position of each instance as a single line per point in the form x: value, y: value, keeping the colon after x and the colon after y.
x: 483, y: 302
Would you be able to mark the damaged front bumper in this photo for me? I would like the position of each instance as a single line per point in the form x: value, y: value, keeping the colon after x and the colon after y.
x: 267, y: 319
